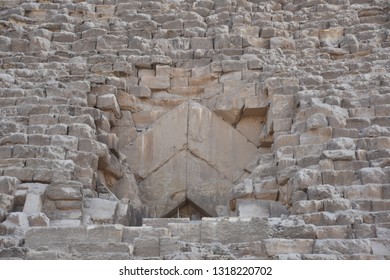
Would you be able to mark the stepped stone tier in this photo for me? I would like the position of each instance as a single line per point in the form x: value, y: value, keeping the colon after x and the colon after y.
x: 195, y: 129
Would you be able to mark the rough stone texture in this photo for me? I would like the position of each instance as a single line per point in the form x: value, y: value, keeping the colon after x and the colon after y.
x: 274, y: 113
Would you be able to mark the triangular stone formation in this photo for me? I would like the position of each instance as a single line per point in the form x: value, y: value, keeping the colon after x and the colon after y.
x: 189, y: 153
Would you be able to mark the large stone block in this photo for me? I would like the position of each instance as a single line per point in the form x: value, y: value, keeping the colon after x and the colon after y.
x: 221, y: 146
x: 70, y: 190
x: 234, y: 230
x: 34, y: 198
x: 342, y: 246
x: 39, y: 44
x: 158, y: 82
x: 55, y: 238
x: 8, y: 184
x: 206, y: 186
x: 276, y: 246
x: 165, y: 189
x: 159, y: 143
x: 100, y: 211
x: 6, y: 202
x: 108, y: 102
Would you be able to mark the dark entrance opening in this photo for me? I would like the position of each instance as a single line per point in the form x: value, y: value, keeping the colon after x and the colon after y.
x: 187, y: 209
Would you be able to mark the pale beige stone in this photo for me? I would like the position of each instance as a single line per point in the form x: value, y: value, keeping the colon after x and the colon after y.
x: 226, y: 149
x: 161, y: 142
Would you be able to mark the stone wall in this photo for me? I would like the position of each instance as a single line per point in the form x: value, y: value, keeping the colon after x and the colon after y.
x: 275, y: 113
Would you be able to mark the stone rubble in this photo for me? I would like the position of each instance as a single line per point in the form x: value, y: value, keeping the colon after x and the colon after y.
x: 194, y: 129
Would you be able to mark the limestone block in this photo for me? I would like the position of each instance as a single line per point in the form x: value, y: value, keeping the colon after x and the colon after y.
x: 101, y: 211
x: 54, y: 238
x: 148, y: 152
x: 253, y: 208
x: 8, y: 184
x: 316, y: 121
x: 284, y: 140
x: 372, y: 175
x: 334, y: 232
x: 229, y: 109
x: 81, y: 130
x: 108, y: 102
x: 357, y: 123
x: 331, y: 37
x: 104, y: 233
x: 34, y: 198
x: 276, y: 246
x: 140, y: 91
x: 70, y: 190
x: 5, y: 44
x: 58, y: 129
x: 19, y: 45
x: 233, y: 65
x: 17, y: 219
x: 64, y: 37
x: 251, y: 128
x: 340, y: 154
x: 342, y: 246
x: 39, y: 44
x: 111, y: 42
x: 130, y: 233
x: 158, y: 82
x: 144, y: 119
x: 307, y: 206
x: 6, y: 202
x: 227, y: 150
x: 146, y: 247
x: 380, y: 247
x: 84, y: 45
x: 206, y: 186
x: 6, y: 152
x: 338, y: 178
x: 83, y: 159
x: 282, y: 125
x: 93, y: 32
x: 334, y: 205
x: 282, y: 106
x: 266, y: 189
x: 38, y: 220
x: 318, y: 136
x: 189, y: 232
x: 165, y: 189
x: 282, y: 43
x: 234, y: 230
x: 255, y: 106
x: 231, y: 76
x: 201, y: 43
x: 374, y: 131
x: 341, y: 143
x: 207, y: 79
x: 321, y: 192
x: 23, y: 174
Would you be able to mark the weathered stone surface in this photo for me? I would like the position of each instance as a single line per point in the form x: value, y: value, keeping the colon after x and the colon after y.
x: 149, y: 153
x: 34, y: 198
x: 100, y: 211
x: 8, y: 184
x: 222, y: 142
x: 64, y: 191
x: 234, y: 230
x: 38, y: 220
x: 108, y: 102
x: 6, y: 202
x: 273, y: 247
x: 340, y: 246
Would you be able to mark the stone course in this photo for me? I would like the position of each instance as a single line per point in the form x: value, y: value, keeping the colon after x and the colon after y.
x: 194, y: 129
